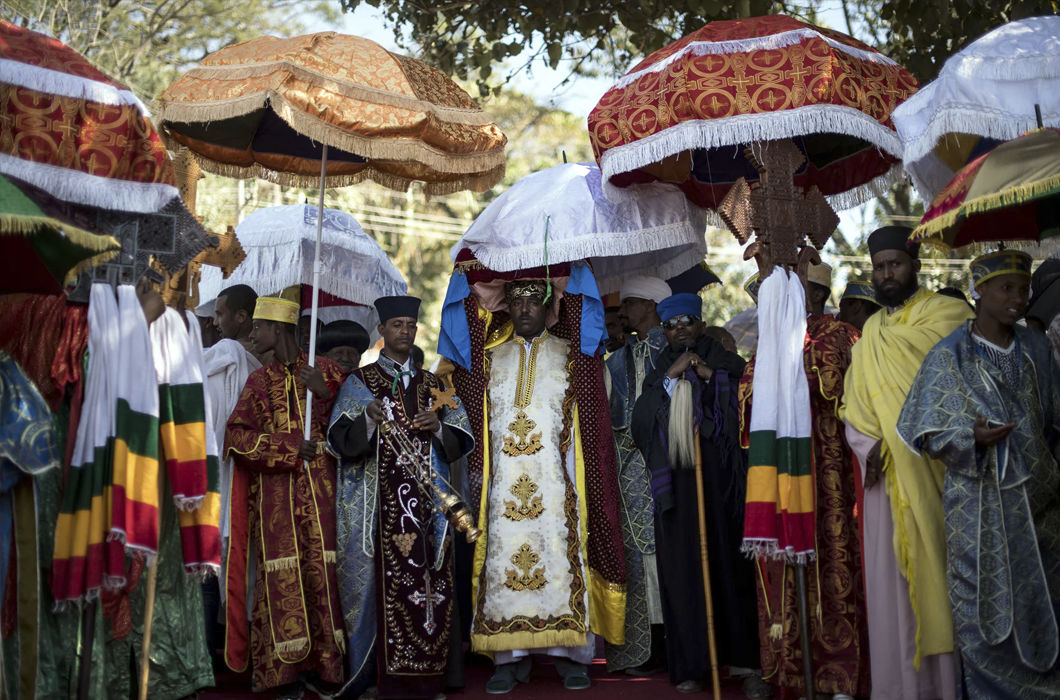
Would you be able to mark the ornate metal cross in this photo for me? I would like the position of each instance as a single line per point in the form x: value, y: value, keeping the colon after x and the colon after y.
x: 777, y: 212
x: 427, y: 600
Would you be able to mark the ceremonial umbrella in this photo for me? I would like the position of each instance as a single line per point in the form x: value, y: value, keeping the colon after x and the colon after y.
x: 984, y: 94
x: 39, y: 253
x: 337, y: 105
x: 280, y: 242
x: 561, y: 215
x: 1011, y: 193
x: 86, y: 143
x: 691, y: 112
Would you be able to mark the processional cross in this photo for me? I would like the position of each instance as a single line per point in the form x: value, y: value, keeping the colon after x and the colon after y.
x: 427, y: 600
x: 777, y: 212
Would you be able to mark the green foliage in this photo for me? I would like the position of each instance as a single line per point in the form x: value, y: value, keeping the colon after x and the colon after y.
x: 469, y: 38
x: 148, y: 43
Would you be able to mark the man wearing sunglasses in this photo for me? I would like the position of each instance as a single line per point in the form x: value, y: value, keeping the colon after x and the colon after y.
x: 687, y: 415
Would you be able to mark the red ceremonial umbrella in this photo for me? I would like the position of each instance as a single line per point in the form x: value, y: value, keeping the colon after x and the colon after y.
x: 692, y: 111
x: 86, y: 143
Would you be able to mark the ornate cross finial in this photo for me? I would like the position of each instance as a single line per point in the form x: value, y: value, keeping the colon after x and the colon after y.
x: 777, y: 212
x: 444, y: 397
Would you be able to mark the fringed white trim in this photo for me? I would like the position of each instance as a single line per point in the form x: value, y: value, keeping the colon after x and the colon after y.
x: 188, y: 504
x: 767, y: 549
x: 234, y: 73
x: 340, y: 639
x: 149, y: 555
x: 759, y: 43
x: 744, y: 129
x: 67, y: 85
x: 959, y: 120
x: 93, y: 190
x: 281, y: 564
x: 872, y: 189
x: 329, y: 556
x: 291, y: 645
x: 588, y: 246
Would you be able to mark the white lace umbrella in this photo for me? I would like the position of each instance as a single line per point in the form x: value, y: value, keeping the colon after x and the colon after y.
x: 279, y: 243
x: 655, y: 232
x: 984, y: 94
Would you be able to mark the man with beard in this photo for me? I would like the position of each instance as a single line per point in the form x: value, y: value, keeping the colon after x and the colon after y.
x: 910, y: 625
x: 643, y: 652
x: 688, y: 406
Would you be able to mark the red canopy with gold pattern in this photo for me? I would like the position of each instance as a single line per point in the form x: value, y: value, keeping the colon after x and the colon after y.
x: 689, y: 112
x: 263, y: 108
x: 70, y: 130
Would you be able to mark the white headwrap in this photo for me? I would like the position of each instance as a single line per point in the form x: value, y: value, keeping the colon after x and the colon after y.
x: 644, y: 287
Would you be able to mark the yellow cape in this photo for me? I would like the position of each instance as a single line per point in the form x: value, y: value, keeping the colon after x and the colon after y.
x: 884, y: 363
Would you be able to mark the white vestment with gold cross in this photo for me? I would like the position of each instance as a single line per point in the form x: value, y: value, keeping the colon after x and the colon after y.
x: 530, y: 585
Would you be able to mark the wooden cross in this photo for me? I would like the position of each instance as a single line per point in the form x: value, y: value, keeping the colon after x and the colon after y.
x: 446, y: 396
x: 777, y: 212
x: 427, y: 600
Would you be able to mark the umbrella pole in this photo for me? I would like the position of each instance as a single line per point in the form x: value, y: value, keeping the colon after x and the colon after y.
x: 316, y: 293
x: 804, y: 631
x: 705, y: 565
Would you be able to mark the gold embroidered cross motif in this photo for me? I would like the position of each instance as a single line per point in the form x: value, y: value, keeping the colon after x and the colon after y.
x: 521, y: 426
x: 524, y: 560
x: 404, y: 542
x: 523, y: 489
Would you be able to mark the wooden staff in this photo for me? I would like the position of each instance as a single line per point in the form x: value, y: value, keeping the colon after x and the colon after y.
x: 152, y: 582
x: 705, y: 565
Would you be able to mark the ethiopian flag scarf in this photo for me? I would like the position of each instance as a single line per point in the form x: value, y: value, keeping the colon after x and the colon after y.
x: 779, y: 517
x: 84, y: 515
x: 183, y: 422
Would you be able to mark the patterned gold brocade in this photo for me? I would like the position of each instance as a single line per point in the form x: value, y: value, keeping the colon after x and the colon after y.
x: 409, y: 120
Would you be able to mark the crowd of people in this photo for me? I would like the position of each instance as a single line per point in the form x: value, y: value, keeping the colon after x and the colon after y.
x: 539, y: 497
x: 537, y: 506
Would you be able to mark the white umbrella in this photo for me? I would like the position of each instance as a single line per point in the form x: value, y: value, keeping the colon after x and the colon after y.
x: 984, y: 94
x: 280, y: 242
x: 657, y: 231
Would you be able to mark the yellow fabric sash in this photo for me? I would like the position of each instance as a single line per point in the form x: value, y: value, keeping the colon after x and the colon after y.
x: 884, y: 363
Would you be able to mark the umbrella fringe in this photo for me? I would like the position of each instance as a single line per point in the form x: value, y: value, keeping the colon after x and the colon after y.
x: 404, y: 150
x: 477, y: 182
x: 935, y: 229
x: 212, y: 111
x: 770, y: 42
x: 596, y: 245
x: 749, y: 129
x: 94, y: 190
x: 28, y: 225
x: 46, y: 80
x: 999, y: 126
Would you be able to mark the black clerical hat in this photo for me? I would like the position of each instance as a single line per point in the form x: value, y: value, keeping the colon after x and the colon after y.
x: 342, y: 332
x: 893, y: 238
x: 397, y: 307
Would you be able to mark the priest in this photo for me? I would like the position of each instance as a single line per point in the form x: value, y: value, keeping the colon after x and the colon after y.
x: 397, y: 431
x: 687, y: 413
x: 538, y: 587
x: 283, y: 516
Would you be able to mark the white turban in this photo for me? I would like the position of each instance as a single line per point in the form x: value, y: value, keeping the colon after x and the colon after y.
x: 643, y: 287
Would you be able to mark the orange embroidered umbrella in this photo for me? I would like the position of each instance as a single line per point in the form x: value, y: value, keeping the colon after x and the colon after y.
x: 338, y: 105
x: 266, y: 108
